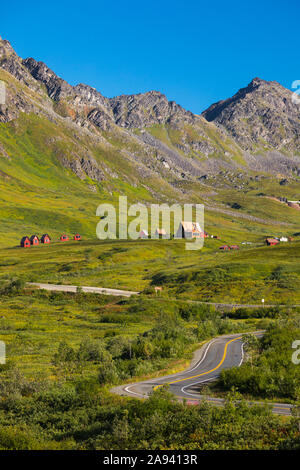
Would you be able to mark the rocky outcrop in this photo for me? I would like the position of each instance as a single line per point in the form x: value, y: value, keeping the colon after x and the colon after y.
x: 16, y: 103
x: 79, y: 101
x: 146, y: 109
x: 57, y: 88
x: 85, y: 95
x: 12, y: 63
x: 260, y: 116
x: 83, y: 166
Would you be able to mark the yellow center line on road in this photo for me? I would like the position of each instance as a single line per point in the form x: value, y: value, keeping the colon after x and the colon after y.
x: 203, y: 373
x: 287, y: 408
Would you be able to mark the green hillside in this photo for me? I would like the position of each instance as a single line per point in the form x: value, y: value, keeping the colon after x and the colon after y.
x: 39, y: 194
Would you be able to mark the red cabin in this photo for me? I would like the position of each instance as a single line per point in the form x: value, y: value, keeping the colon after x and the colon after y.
x: 34, y: 240
x: 25, y: 242
x: 64, y: 238
x: 45, y: 238
x: 77, y: 237
x: 272, y: 241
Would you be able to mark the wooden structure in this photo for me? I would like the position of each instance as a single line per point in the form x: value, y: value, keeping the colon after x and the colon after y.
x: 25, y: 242
x: 34, y: 240
x: 190, y: 230
x: 160, y: 233
x: 143, y: 234
x: 45, y: 238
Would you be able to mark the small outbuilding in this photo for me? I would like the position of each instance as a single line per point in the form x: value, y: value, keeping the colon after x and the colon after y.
x: 272, y: 241
x: 224, y: 248
x: 294, y: 204
x: 143, y: 234
x: 45, y: 238
x: 190, y: 230
x: 160, y: 233
x: 64, y: 238
x: 34, y: 240
x: 25, y: 242
x: 77, y: 237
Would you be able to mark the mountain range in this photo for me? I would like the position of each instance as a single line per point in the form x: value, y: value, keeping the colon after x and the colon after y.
x: 62, y: 143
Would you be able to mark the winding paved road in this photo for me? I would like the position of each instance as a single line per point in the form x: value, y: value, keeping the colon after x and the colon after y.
x: 221, y: 353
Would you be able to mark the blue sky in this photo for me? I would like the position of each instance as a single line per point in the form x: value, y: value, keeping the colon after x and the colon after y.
x: 196, y: 52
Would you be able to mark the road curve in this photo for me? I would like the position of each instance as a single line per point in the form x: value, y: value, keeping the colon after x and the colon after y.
x: 221, y: 353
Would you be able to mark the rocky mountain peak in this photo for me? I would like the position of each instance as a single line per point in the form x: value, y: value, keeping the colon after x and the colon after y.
x: 256, y: 82
x: 5, y: 46
x: 146, y: 109
x: 84, y: 102
x: 12, y: 63
x: 260, y: 115
x: 87, y: 95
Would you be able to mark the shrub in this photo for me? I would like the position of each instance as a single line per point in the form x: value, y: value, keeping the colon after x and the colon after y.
x: 64, y: 354
x: 15, y: 286
x: 93, y: 351
x: 108, y: 372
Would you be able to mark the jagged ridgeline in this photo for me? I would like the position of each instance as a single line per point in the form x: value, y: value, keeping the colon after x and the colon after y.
x: 64, y: 149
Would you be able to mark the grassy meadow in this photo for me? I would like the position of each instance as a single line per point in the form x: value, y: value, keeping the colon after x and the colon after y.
x: 244, y: 276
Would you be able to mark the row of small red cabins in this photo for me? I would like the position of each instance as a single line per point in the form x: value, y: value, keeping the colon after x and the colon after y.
x: 26, y: 242
x: 229, y: 247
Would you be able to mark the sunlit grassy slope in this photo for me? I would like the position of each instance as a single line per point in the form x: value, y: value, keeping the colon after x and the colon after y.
x: 39, y: 194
